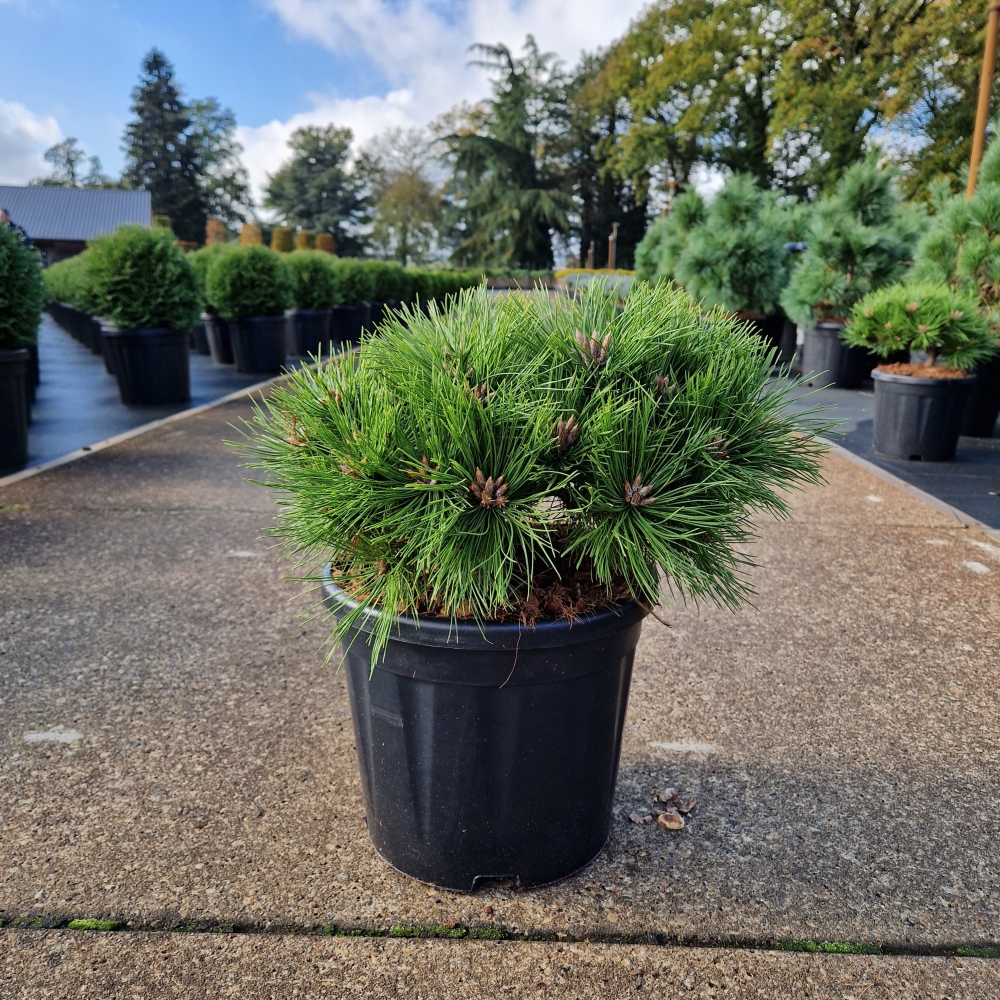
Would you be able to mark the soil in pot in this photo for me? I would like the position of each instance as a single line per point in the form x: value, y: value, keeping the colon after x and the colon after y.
x: 308, y: 331
x: 14, y: 369
x: 827, y: 360
x: 220, y: 342
x: 918, y: 416
x: 259, y: 344
x: 151, y: 366
x: 490, y: 753
x: 983, y: 407
x: 346, y: 323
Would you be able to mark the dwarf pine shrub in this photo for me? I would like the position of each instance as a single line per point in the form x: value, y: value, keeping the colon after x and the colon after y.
x: 922, y: 316
x: 459, y: 455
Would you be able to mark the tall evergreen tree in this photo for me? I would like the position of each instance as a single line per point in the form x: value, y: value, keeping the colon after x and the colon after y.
x: 315, y: 190
x: 505, y: 195
x: 159, y: 157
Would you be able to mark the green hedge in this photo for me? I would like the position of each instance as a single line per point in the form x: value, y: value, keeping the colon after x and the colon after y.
x: 249, y: 281
x: 314, y: 280
x: 355, y: 280
x: 22, y: 291
x: 69, y: 281
x: 202, y: 261
x: 140, y: 278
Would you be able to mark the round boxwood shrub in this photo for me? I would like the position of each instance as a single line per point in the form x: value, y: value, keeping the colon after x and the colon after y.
x: 314, y: 283
x: 140, y: 278
x: 69, y: 281
x: 250, y: 281
x: 421, y: 284
x: 202, y: 261
x: 22, y: 291
x: 355, y: 281
x: 391, y: 281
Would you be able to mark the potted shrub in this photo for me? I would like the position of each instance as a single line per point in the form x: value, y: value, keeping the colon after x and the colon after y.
x: 314, y: 294
x: 144, y: 288
x: 497, y: 491
x: 22, y: 296
x: 251, y: 288
x: 736, y: 258
x: 961, y: 249
x: 919, y: 407
x: 859, y: 239
x: 217, y: 336
x: 355, y: 286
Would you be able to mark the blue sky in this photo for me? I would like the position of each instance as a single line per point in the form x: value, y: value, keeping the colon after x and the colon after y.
x: 68, y: 66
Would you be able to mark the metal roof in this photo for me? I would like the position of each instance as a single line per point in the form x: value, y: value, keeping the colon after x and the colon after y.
x: 65, y: 213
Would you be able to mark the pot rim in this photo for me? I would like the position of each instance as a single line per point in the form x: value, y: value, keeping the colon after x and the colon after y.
x: 306, y: 312
x: 878, y: 376
x: 14, y: 354
x: 110, y: 329
x: 432, y: 631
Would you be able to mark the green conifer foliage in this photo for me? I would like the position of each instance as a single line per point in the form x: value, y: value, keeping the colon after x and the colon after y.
x: 460, y: 454
x: 665, y: 240
x: 249, y: 281
x: 22, y: 291
x: 140, y: 279
x: 859, y: 239
x: 314, y: 280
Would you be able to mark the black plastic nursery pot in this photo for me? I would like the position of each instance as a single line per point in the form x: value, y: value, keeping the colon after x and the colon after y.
x: 198, y: 339
x: 308, y: 331
x: 346, y: 323
x: 768, y: 328
x: 151, y: 365
x: 919, y: 418
x: 788, y: 343
x: 259, y: 344
x: 983, y: 407
x: 827, y: 360
x: 490, y: 754
x: 14, y: 366
x: 220, y: 343
x: 376, y: 313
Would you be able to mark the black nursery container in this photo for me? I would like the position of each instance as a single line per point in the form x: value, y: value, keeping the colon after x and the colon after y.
x: 220, y: 343
x: 198, y: 339
x: 826, y: 357
x: 346, y: 323
x: 259, y: 344
x: 919, y: 418
x: 14, y: 369
x: 490, y: 753
x: 983, y: 407
x: 308, y: 331
x: 151, y: 365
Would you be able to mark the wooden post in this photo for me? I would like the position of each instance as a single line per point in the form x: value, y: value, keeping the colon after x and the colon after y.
x: 613, y: 241
x: 985, y: 93
x: 590, y: 257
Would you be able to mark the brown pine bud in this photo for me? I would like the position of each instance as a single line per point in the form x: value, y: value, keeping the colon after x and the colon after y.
x: 637, y: 495
x: 565, y: 434
x: 489, y: 492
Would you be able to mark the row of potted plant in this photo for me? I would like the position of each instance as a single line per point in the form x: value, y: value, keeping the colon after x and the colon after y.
x: 251, y: 306
x: 22, y: 297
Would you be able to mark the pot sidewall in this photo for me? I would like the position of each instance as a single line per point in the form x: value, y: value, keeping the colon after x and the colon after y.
x: 152, y: 366
x: 259, y: 344
x: 513, y: 778
x: 15, y: 370
x: 918, y: 418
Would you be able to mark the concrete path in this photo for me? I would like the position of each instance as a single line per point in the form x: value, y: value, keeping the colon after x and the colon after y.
x: 175, y: 758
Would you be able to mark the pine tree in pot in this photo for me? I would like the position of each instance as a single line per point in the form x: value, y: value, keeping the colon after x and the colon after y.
x: 355, y: 286
x: 144, y: 288
x: 22, y: 296
x: 498, y: 489
x: 736, y: 257
x: 919, y: 408
x: 251, y: 287
x: 859, y: 239
x: 962, y: 249
x: 314, y: 294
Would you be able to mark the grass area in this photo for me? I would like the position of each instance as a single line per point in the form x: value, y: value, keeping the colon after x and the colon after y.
x: 829, y: 947
x: 94, y: 925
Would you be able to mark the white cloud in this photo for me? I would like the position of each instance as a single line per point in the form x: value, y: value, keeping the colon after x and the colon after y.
x: 420, y: 48
x: 24, y: 137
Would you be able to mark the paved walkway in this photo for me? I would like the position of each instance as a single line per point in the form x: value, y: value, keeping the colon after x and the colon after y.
x: 78, y: 402
x: 175, y: 758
